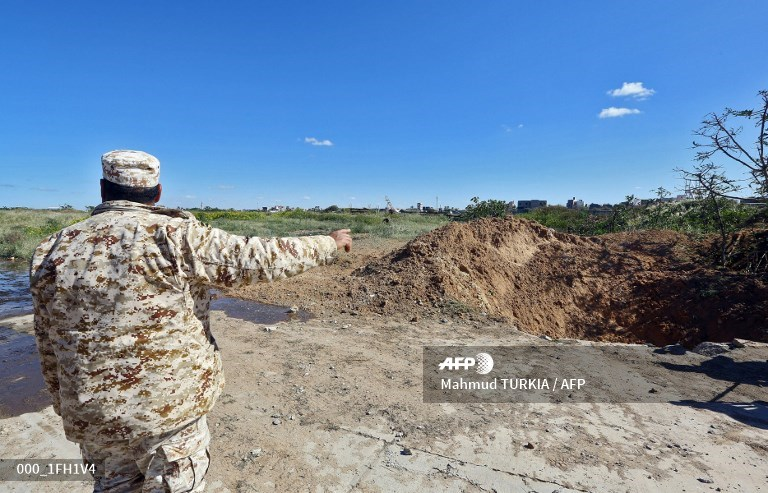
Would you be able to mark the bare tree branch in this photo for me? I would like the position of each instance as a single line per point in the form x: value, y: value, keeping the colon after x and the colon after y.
x: 720, y: 139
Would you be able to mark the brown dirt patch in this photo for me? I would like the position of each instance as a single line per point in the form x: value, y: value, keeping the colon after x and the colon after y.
x: 650, y: 286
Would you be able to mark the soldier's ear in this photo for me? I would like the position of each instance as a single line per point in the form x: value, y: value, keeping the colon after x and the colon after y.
x: 159, y: 193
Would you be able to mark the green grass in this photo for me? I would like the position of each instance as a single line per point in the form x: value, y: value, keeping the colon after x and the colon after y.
x: 300, y: 222
x: 693, y: 217
x: 22, y: 229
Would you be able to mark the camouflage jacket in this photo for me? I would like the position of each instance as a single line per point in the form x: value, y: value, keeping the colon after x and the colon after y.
x: 121, y: 314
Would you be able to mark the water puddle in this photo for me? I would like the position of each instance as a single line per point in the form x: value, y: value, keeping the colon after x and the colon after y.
x: 14, y: 289
x: 22, y: 389
x: 259, y: 313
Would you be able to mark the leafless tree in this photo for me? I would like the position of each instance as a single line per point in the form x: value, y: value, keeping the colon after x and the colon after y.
x: 719, y: 138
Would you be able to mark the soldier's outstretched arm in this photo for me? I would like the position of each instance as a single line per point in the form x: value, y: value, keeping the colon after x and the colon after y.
x: 216, y: 257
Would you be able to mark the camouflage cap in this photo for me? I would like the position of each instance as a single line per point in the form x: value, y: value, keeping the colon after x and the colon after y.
x: 131, y: 168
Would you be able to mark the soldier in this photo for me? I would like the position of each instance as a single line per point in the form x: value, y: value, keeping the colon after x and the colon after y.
x: 121, y: 320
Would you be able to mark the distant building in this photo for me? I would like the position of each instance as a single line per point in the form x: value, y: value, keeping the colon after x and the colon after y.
x: 511, y: 207
x: 575, y: 204
x: 529, y: 205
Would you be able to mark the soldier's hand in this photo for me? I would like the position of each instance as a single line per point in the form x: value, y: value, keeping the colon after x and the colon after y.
x: 343, y: 239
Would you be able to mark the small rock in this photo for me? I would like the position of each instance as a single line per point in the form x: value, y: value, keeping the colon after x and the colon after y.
x: 276, y: 421
x: 676, y: 349
x: 653, y: 391
x: 346, y: 326
x: 738, y: 343
x: 406, y: 451
x: 545, y: 337
x: 255, y: 452
x: 414, y: 319
x: 705, y: 480
x: 269, y: 329
x: 711, y: 348
x: 369, y: 412
x: 529, y: 446
x: 443, y: 320
x: 293, y: 309
x: 290, y: 417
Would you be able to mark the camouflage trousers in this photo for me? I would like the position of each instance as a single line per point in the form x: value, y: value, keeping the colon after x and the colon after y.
x: 168, y: 463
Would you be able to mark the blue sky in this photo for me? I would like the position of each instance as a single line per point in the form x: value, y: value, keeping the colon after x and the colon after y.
x: 251, y: 104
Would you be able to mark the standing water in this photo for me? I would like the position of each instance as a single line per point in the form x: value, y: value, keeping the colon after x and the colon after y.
x: 14, y: 289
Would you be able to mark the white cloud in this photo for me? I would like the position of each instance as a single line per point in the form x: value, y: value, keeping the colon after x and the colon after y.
x: 225, y: 187
x: 317, y: 142
x: 190, y: 197
x: 614, y: 112
x: 307, y: 197
x: 633, y: 90
x: 507, y: 128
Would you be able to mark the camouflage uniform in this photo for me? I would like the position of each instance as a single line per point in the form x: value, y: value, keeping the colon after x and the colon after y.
x: 121, y: 318
x: 174, y: 461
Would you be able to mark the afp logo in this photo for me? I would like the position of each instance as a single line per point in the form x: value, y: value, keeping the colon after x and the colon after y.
x: 483, y: 363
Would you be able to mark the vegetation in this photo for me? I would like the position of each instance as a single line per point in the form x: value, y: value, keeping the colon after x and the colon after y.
x: 302, y: 222
x: 719, y: 140
x: 484, y: 208
x: 22, y: 229
x: 693, y: 216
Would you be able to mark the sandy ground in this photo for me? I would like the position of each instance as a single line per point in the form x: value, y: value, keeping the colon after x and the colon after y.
x: 346, y: 396
x: 335, y: 404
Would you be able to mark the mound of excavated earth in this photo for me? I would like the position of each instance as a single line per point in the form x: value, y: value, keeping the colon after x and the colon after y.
x: 650, y: 286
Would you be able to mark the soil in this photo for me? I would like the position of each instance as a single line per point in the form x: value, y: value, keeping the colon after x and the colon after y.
x: 659, y: 287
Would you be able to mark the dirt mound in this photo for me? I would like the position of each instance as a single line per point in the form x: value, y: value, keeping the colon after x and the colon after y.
x: 652, y: 286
